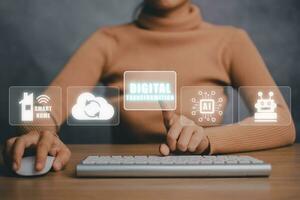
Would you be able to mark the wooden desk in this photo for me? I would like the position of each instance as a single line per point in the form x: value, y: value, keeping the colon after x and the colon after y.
x: 284, y: 182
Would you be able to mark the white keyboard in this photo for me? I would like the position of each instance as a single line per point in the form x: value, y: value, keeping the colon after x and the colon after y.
x: 172, y: 166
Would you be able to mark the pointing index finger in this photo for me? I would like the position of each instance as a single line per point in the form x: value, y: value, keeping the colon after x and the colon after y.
x: 168, y: 113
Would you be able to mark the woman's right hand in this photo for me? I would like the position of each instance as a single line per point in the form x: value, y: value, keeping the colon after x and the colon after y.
x: 45, y: 142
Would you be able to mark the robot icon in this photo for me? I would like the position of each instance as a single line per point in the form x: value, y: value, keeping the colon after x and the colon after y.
x: 265, y: 108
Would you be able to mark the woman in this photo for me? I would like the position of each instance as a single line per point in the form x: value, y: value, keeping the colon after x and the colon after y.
x: 166, y: 33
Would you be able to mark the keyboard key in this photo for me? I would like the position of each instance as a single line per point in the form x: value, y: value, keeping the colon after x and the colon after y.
x: 90, y: 160
x: 219, y: 162
x: 140, y: 159
x: 231, y: 161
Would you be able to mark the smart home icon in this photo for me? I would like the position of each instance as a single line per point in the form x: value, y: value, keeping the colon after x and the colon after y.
x: 35, y: 105
x: 31, y: 109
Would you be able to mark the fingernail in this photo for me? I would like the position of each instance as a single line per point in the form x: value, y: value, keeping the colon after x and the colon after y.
x: 15, y: 166
x: 38, y: 166
x: 164, y: 149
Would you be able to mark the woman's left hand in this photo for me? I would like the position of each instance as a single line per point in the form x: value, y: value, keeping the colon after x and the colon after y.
x: 183, y: 135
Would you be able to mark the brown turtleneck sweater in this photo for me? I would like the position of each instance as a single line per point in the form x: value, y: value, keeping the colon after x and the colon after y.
x: 201, y: 54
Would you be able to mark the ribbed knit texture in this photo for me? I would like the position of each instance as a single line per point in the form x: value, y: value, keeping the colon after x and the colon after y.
x: 201, y: 54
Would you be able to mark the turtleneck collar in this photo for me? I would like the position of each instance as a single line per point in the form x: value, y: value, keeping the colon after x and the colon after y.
x: 190, y: 21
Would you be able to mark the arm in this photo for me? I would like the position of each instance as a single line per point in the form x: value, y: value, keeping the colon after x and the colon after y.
x: 84, y: 69
x: 246, y: 68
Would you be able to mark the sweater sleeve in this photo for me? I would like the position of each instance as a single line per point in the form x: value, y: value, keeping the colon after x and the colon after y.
x: 84, y: 68
x: 247, y: 68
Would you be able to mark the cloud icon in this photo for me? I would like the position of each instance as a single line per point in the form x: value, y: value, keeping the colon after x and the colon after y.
x: 89, y: 107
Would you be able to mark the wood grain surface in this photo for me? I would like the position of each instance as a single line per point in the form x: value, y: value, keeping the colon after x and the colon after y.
x: 284, y: 182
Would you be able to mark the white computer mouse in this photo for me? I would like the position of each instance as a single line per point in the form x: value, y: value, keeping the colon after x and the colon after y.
x: 27, y: 167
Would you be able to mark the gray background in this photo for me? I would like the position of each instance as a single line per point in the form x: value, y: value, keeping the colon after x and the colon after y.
x: 38, y: 36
